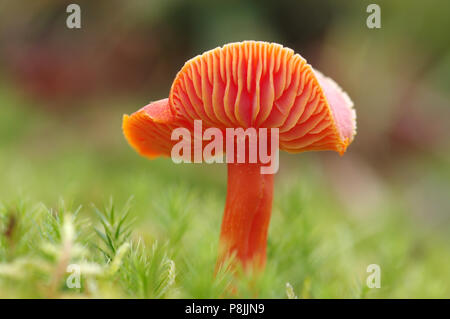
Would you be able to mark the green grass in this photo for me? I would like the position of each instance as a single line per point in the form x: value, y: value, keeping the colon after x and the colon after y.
x: 157, y: 237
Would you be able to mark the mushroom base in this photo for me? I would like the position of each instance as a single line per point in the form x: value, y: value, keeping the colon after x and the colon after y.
x: 247, y: 215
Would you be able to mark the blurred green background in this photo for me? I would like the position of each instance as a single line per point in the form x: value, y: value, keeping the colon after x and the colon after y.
x: 386, y: 201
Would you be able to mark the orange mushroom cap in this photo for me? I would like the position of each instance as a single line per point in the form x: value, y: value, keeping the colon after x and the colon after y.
x: 248, y: 84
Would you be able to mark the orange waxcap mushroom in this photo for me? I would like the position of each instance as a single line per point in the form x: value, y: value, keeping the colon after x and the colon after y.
x: 248, y: 85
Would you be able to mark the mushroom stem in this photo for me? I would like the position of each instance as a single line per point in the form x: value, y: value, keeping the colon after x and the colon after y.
x: 247, y: 214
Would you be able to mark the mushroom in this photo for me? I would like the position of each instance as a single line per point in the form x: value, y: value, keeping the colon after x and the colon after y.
x: 248, y: 85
